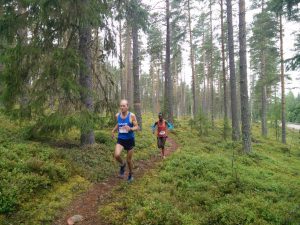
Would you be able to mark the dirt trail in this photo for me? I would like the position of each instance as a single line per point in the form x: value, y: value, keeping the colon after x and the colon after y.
x: 87, y: 204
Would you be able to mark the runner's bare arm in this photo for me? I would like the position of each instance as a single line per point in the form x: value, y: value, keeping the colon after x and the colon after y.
x: 134, y: 121
x: 167, y: 130
x: 154, y: 127
x: 115, y: 128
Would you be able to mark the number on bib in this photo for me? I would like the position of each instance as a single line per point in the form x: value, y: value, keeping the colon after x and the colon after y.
x: 162, y: 132
x: 122, y: 130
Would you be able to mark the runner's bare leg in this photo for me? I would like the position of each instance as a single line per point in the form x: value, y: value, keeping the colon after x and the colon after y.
x: 117, y: 155
x: 163, y: 151
x: 129, y: 160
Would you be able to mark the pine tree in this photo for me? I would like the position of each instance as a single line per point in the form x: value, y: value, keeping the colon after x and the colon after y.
x: 168, y: 77
x: 246, y: 128
x: 283, y: 111
x: 234, y: 108
x: 225, y: 128
x: 50, y: 60
x: 264, y: 58
x: 178, y: 33
x: 192, y: 59
x: 136, y: 16
x: 155, y: 48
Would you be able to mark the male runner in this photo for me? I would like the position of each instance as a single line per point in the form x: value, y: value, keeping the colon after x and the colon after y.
x: 126, y: 125
x: 162, y: 133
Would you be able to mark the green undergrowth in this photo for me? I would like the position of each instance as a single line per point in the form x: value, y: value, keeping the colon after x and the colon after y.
x: 40, y: 177
x: 43, y: 207
x: 211, y: 181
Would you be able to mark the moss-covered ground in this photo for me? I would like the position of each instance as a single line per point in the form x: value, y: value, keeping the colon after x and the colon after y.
x: 211, y: 181
x: 38, y: 178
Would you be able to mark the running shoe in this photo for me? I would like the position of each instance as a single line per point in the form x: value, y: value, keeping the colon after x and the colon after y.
x: 130, y: 178
x: 122, y: 170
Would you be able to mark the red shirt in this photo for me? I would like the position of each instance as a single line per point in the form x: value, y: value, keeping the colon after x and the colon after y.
x: 161, y: 128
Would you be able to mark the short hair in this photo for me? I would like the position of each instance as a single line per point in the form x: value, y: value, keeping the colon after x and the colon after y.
x: 160, y: 114
x: 124, y: 100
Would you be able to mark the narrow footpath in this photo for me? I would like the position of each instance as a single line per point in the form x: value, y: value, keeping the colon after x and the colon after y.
x: 84, y: 209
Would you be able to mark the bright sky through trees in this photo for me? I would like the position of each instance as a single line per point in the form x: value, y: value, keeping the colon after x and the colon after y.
x: 289, y: 29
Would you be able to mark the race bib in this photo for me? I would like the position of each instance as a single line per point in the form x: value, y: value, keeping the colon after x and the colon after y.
x: 162, y: 132
x: 122, y: 130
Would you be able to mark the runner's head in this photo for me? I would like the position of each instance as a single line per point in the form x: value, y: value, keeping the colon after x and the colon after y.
x: 160, y: 116
x: 124, y: 105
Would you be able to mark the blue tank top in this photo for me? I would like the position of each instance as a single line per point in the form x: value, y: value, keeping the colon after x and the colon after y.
x: 124, y: 134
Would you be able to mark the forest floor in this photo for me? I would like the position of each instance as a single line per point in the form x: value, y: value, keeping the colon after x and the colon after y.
x: 208, y: 180
x: 87, y: 204
x: 40, y: 177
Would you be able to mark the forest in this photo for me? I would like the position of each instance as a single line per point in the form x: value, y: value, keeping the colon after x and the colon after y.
x: 222, y: 72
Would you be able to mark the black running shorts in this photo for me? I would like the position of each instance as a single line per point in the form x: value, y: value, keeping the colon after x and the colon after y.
x: 128, y: 144
x: 161, y: 142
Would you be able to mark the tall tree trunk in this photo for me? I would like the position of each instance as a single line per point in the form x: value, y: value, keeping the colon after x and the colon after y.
x: 283, y: 122
x: 276, y: 119
x: 168, y: 77
x: 175, y: 82
x: 234, y: 108
x: 238, y: 93
x: 85, y: 37
x: 211, y: 75
x: 25, y: 110
x: 153, y: 90
x: 224, y: 74
x: 252, y: 90
x: 204, y: 102
x: 192, y: 58
x: 157, y: 90
x: 264, y: 128
x: 246, y: 129
x: 219, y: 105
x: 228, y: 85
x: 122, y: 74
x: 128, y: 65
x: 162, y: 81
x: 136, y: 76
x: 182, y: 96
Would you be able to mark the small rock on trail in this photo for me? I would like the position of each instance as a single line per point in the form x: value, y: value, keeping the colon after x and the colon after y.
x: 74, y: 219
